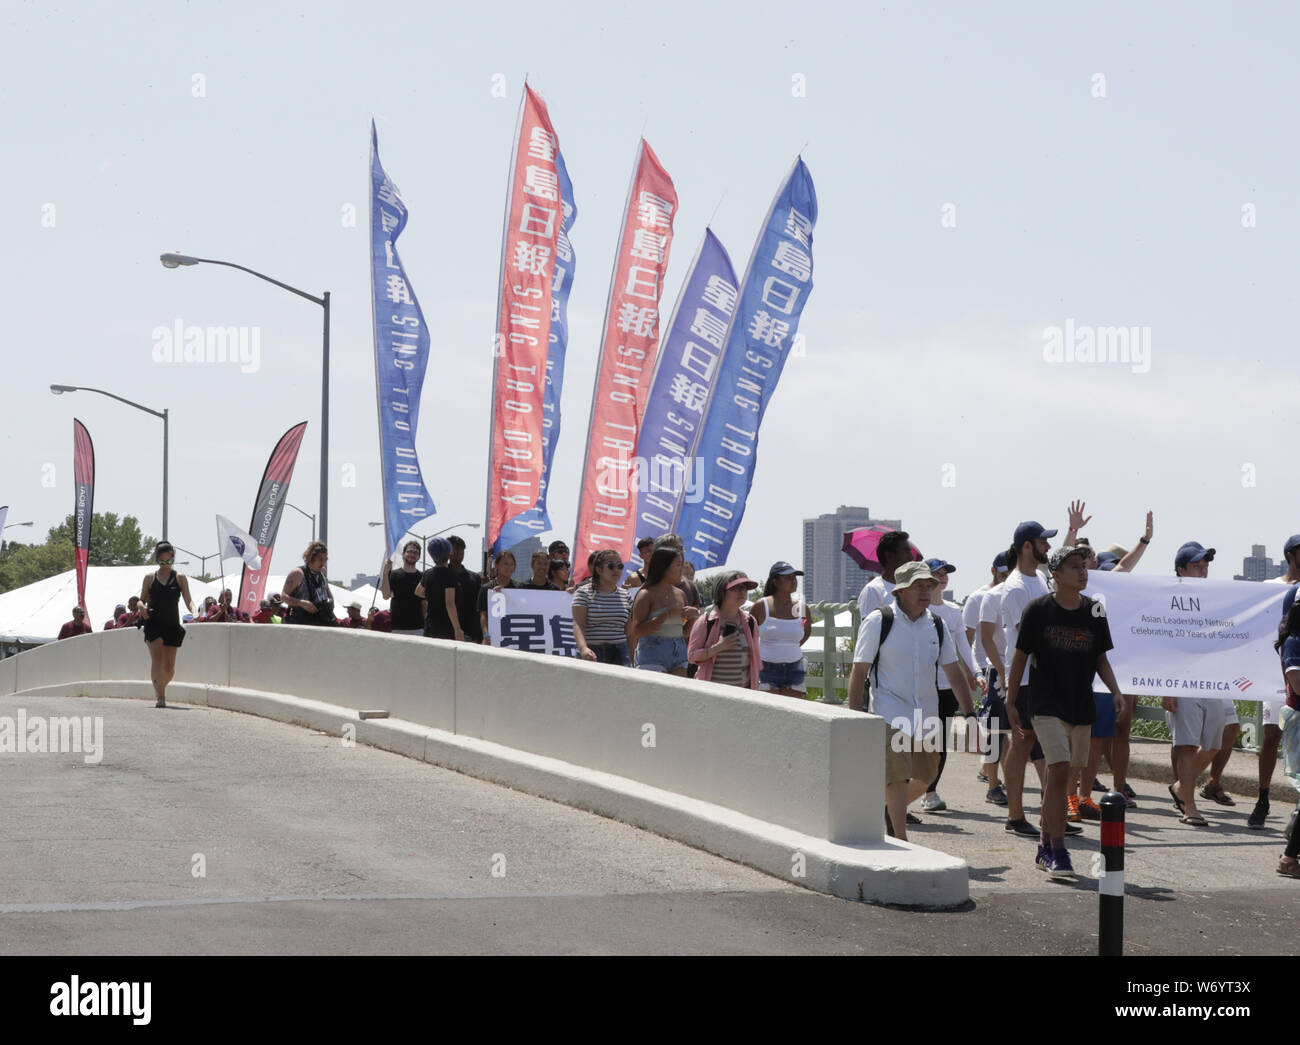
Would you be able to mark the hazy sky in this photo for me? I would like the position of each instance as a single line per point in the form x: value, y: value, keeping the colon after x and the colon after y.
x: 1107, y: 165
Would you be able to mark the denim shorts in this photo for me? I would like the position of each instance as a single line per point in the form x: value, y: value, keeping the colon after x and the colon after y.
x: 610, y: 653
x: 783, y: 675
x: 661, y: 653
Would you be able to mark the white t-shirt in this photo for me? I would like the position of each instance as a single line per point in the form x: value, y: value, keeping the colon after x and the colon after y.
x: 1018, y: 591
x: 991, y: 613
x: 905, y: 680
x: 874, y: 595
x: 970, y: 618
x: 952, y: 617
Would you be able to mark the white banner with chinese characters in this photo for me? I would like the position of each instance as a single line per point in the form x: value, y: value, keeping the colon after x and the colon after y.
x: 1191, y: 636
x: 532, y: 621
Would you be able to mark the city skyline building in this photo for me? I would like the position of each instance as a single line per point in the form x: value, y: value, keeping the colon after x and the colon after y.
x: 1257, y: 566
x: 829, y: 574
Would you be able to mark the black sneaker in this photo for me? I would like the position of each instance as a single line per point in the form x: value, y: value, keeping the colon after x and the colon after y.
x: 912, y: 819
x: 1097, y: 785
x: 1259, y: 814
x: 1071, y: 829
x: 1023, y: 828
x: 1129, y: 791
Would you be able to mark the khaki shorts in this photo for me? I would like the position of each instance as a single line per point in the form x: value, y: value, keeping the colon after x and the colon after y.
x: 902, y: 766
x: 1063, y: 741
x: 1197, y: 723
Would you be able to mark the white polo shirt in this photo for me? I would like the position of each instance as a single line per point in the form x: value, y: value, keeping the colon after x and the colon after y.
x: 874, y: 595
x: 970, y: 618
x: 1018, y: 591
x: 905, y: 682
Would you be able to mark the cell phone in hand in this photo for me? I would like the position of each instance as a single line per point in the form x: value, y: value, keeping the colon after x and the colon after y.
x: 729, y: 629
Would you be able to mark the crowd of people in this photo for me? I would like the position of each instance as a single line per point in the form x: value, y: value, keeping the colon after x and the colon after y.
x: 1027, y: 647
x: 1032, y: 643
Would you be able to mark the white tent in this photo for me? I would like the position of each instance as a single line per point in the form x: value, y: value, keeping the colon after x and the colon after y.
x: 35, y: 613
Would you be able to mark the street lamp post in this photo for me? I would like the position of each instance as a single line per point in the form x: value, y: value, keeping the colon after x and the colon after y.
x: 172, y: 261
x: 60, y: 389
x: 203, y: 559
x: 307, y: 515
x: 424, y: 539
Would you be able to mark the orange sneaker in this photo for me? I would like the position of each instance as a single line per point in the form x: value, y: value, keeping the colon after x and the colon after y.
x: 1072, y: 809
x: 1089, y: 810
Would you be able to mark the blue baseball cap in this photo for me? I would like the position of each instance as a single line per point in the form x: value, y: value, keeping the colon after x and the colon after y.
x: 1030, y: 531
x: 939, y: 564
x: 1000, y: 563
x: 1292, y: 543
x: 1107, y: 560
x: 783, y: 569
x: 1191, y: 552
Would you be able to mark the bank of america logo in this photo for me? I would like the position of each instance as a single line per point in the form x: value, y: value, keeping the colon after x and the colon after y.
x: 1242, y: 683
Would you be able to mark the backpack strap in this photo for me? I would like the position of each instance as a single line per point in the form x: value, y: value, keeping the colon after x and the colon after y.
x: 886, y: 623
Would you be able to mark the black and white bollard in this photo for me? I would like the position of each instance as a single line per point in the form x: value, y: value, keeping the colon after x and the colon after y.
x: 1110, y: 882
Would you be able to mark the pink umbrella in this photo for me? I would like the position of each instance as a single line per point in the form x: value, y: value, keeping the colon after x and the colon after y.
x: 860, y: 546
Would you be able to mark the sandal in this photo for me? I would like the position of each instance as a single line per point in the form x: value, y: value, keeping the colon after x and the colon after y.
x: 1194, y: 821
x: 1178, y: 802
x: 1217, y: 795
x: 1288, y: 866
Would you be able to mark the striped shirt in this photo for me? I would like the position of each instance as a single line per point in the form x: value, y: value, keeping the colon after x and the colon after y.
x: 731, y: 666
x: 607, y: 613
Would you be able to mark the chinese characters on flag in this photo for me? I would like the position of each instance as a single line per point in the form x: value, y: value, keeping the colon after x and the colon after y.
x: 607, y: 506
x: 532, y: 229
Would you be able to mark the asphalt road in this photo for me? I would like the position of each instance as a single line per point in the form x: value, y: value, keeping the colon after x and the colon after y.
x: 205, y: 831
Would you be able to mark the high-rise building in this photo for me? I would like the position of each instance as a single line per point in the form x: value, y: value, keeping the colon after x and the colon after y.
x: 829, y: 574
x: 523, y: 552
x: 1259, y: 567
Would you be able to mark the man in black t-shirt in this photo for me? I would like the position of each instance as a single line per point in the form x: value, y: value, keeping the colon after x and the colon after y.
x: 438, y: 589
x: 468, y: 584
x: 398, y: 586
x: 1064, y: 636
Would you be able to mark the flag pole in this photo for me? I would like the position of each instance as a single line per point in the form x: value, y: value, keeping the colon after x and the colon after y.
x: 221, y: 564
x: 375, y: 596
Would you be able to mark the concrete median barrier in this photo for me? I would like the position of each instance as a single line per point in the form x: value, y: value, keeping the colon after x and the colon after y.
x: 791, y: 787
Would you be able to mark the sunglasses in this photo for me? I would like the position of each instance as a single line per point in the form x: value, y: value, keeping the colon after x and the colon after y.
x: 613, y: 566
x: 557, y: 565
x: 166, y: 562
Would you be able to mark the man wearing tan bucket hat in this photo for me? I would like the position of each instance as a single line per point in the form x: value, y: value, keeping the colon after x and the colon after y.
x: 898, y: 647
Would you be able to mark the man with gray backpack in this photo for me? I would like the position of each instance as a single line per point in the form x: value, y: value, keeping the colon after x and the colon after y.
x: 899, y: 647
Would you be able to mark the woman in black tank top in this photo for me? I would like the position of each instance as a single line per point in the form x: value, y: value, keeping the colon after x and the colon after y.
x: 159, y: 608
x: 306, y: 591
